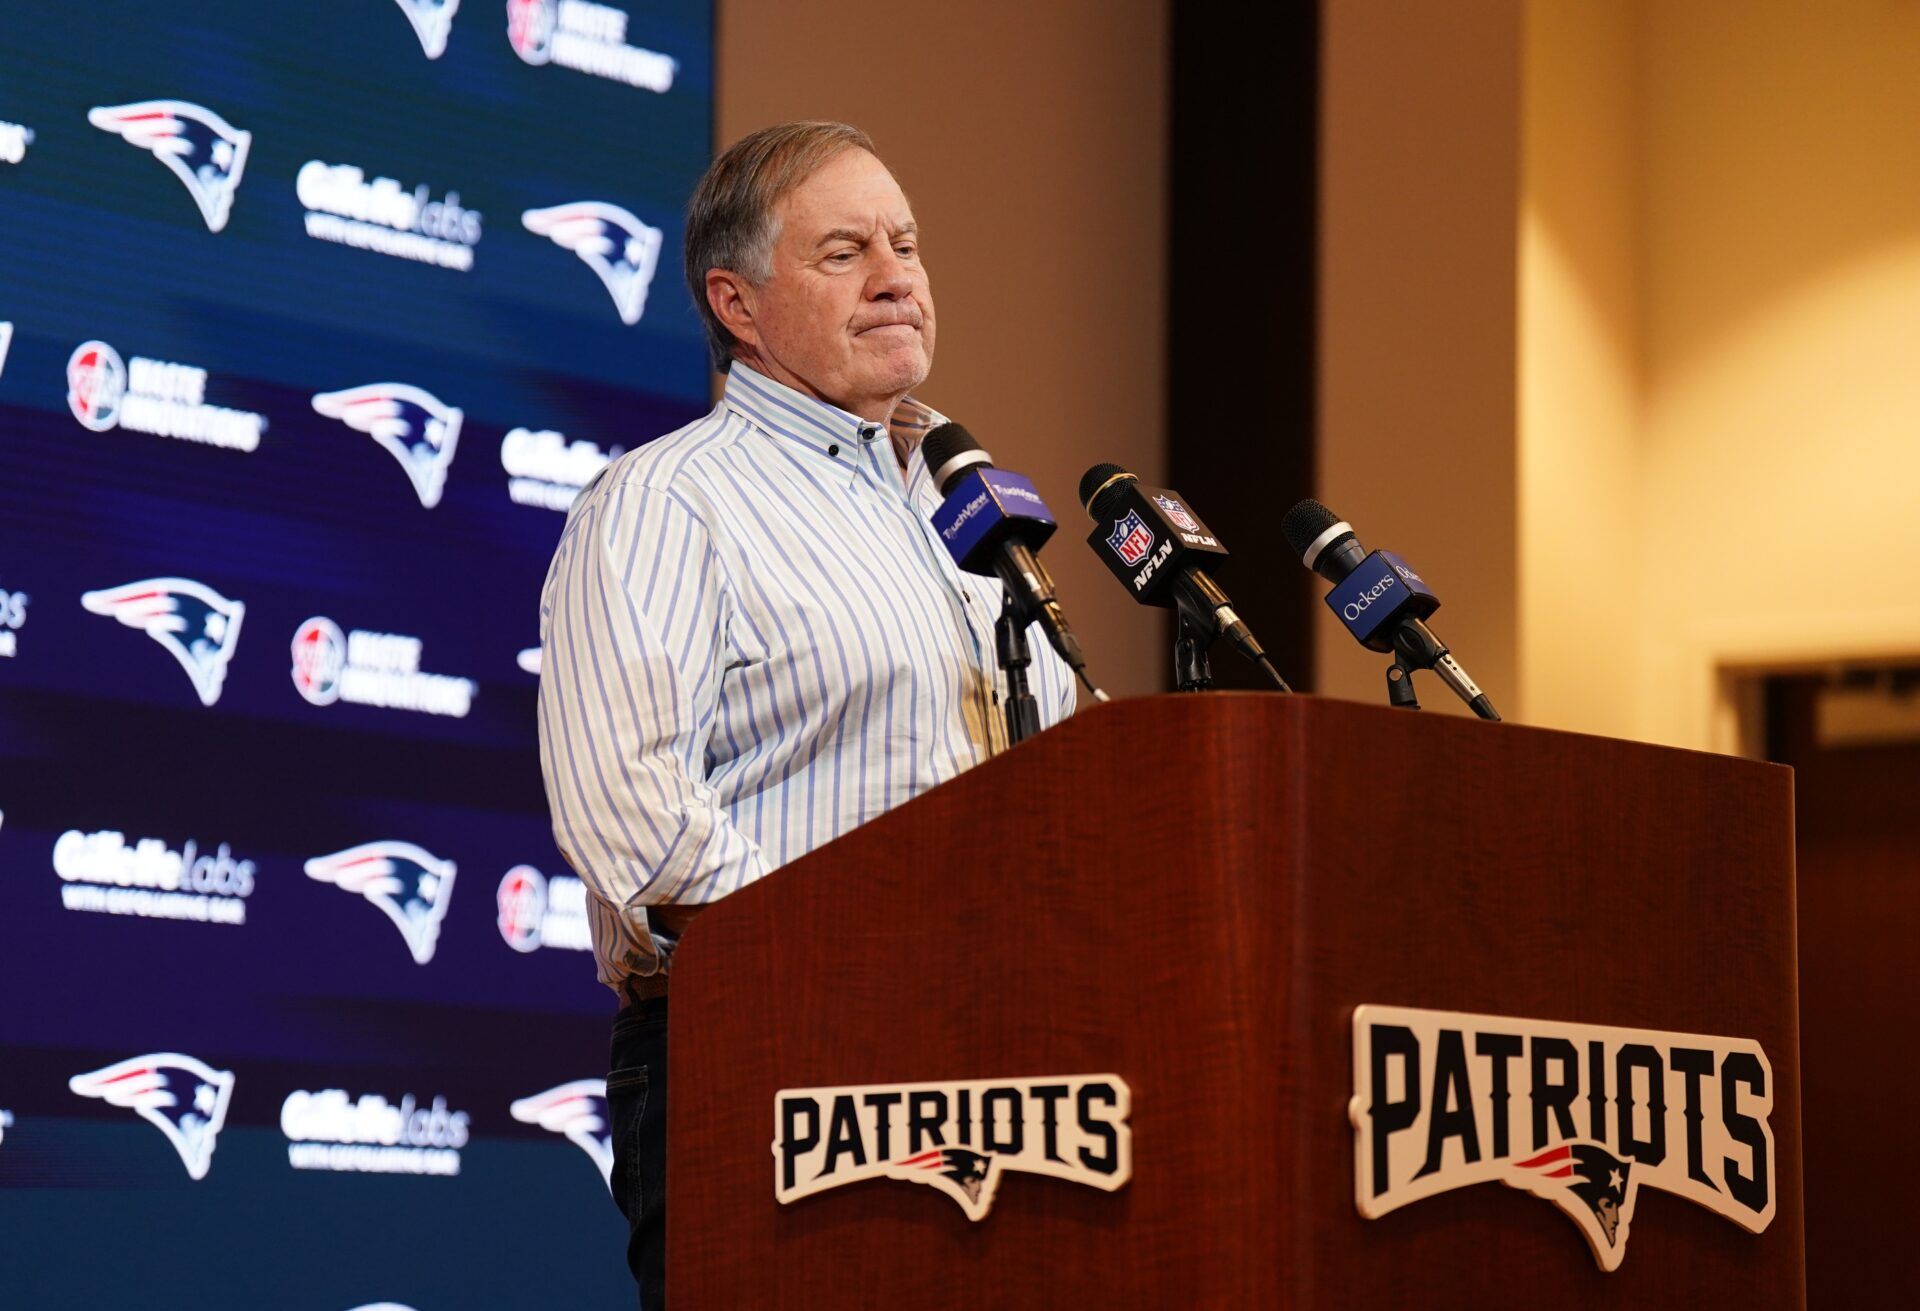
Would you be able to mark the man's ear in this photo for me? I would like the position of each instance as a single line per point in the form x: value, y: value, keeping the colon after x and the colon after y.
x: 731, y: 298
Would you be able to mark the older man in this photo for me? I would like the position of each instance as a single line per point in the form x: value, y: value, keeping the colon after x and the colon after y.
x: 754, y: 641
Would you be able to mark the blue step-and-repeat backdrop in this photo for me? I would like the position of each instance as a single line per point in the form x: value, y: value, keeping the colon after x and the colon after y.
x: 313, y: 320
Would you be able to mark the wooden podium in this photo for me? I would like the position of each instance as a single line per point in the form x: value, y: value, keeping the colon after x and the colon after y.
x: 1195, y: 894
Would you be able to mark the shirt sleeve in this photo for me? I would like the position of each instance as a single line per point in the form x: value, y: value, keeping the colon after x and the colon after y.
x: 634, y: 645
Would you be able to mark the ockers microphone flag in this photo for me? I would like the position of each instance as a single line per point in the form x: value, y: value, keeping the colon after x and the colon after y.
x: 1378, y: 597
x: 1158, y: 549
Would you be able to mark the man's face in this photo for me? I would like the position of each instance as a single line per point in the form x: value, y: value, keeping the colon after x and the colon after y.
x: 847, y: 314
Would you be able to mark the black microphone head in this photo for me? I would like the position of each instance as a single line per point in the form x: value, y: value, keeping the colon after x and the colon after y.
x: 1324, y: 541
x: 1304, y: 523
x: 1098, y: 488
x: 950, y: 451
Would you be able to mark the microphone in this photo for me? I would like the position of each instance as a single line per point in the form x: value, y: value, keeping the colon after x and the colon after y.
x: 1377, y: 597
x: 1157, y: 547
x: 991, y: 523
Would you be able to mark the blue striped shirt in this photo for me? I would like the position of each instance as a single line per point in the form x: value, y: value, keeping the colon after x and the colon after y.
x: 753, y: 642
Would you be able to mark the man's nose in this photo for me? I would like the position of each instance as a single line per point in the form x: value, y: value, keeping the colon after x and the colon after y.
x: 891, y: 278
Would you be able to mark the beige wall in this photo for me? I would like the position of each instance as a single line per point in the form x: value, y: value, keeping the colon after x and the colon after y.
x: 1032, y: 140
x: 1720, y: 369
x: 1420, y: 103
x: 1580, y: 465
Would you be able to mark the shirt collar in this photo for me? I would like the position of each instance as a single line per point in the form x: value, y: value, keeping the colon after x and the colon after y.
x: 833, y: 432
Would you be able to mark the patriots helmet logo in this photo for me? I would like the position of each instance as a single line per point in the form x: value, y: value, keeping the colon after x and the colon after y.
x: 432, y: 20
x: 967, y: 1176
x: 194, y: 622
x: 616, y: 245
x: 183, y: 1098
x: 202, y: 149
x: 1592, y: 1185
x: 1130, y: 539
x: 579, y: 1111
x: 410, y: 885
x: 413, y: 425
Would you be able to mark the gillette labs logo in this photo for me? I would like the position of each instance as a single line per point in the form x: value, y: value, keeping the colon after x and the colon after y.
x: 545, y: 471
x: 13, y: 617
x: 588, y: 38
x: 104, y: 873
x: 328, y: 1130
x: 153, y: 396
x: 345, y: 208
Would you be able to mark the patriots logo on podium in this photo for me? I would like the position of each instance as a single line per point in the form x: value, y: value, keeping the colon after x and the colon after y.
x: 577, y: 1110
x: 202, y: 149
x: 616, y: 245
x: 409, y: 884
x: 967, y: 1176
x: 194, y: 622
x: 1130, y: 539
x: 1592, y: 1185
x: 413, y: 425
x: 432, y: 20
x: 183, y: 1098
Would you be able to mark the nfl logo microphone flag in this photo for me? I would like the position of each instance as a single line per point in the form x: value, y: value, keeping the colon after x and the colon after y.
x: 317, y: 319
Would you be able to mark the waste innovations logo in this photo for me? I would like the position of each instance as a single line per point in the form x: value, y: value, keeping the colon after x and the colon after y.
x: 588, y: 38
x: 13, y: 618
x: 957, y: 1138
x: 104, y: 873
x: 432, y: 20
x: 184, y: 1098
x: 207, y: 153
x: 329, y: 1130
x: 1609, y: 1113
x: 536, y: 912
x: 412, y: 424
x: 345, y: 208
x: 199, y: 627
x: 372, y: 669
x: 14, y: 140
x: 544, y: 470
x: 577, y: 1111
x: 619, y: 248
x: 410, y: 886
x: 153, y: 396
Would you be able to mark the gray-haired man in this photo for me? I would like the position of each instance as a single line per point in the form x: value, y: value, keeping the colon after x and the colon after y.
x: 754, y: 641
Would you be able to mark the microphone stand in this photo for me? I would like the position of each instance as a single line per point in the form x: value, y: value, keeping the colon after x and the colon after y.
x: 1010, y: 645
x: 1191, y: 670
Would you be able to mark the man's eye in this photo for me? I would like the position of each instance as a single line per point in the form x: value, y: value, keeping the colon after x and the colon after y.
x: 907, y: 250
x: 841, y: 256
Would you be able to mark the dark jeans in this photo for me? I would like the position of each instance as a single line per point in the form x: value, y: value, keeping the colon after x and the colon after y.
x: 637, y: 1105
